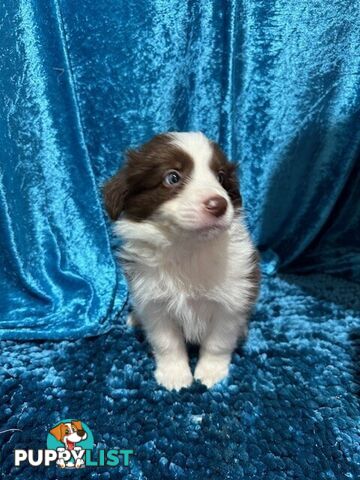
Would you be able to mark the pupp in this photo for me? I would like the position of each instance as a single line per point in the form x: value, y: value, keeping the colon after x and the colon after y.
x: 191, y: 266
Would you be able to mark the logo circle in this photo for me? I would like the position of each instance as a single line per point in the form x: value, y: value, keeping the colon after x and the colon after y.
x: 52, y: 443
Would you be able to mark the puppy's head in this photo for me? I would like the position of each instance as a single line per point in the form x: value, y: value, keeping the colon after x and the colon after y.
x: 178, y: 180
x: 69, y: 433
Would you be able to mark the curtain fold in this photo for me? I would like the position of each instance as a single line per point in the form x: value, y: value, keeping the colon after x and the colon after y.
x: 58, y: 276
x: 277, y: 84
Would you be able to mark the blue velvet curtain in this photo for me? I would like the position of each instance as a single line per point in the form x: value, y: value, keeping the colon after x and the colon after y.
x: 276, y: 83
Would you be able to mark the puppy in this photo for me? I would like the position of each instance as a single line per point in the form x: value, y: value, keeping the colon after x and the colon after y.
x: 69, y: 434
x: 192, y: 268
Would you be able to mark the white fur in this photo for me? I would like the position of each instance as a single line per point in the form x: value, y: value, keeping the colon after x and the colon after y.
x: 73, y: 437
x: 188, y: 275
x: 186, y: 209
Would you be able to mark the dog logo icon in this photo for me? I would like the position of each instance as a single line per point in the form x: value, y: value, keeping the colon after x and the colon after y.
x: 70, y: 444
x: 71, y: 438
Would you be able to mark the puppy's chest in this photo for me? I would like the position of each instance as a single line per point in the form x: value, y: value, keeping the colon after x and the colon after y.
x: 187, y: 290
x: 191, y: 285
x: 187, y: 279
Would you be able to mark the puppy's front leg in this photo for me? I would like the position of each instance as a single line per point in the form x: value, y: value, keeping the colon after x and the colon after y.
x: 172, y: 366
x: 217, y: 347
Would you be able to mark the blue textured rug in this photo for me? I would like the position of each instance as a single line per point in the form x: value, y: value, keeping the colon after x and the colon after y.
x: 289, y: 410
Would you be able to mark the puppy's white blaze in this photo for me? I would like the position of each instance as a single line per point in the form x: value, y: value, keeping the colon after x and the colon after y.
x: 198, y: 147
x: 187, y: 208
x: 195, y: 144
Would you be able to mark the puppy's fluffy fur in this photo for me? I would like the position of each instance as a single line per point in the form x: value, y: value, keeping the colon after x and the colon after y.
x: 191, y: 265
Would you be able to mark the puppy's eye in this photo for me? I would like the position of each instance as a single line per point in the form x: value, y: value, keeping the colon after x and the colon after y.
x: 67, y: 431
x: 172, y: 178
x: 221, y: 177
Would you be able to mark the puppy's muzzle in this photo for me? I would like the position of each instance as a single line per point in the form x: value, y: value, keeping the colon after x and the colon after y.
x: 216, y: 205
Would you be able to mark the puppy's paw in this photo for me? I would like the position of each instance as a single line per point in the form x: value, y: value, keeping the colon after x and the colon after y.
x: 211, y: 370
x: 174, y: 376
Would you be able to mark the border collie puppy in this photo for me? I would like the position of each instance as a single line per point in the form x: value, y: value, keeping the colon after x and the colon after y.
x: 192, y: 268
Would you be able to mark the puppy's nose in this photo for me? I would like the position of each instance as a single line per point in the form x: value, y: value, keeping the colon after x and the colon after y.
x: 81, y: 433
x: 216, y: 205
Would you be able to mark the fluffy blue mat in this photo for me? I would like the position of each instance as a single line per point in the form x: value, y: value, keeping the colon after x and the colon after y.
x: 289, y: 410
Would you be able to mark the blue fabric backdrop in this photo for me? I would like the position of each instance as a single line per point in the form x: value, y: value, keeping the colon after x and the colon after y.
x: 276, y: 83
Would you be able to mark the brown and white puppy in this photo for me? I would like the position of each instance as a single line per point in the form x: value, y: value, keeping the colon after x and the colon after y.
x: 69, y: 433
x: 192, y: 268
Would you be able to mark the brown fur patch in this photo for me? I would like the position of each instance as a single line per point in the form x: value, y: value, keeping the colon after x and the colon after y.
x: 219, y: 162
x: 138, y: 188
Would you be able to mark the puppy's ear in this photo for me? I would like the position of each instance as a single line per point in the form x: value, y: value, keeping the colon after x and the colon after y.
x: 232, y: 186
x: 58, y: 432
x: 114, y: 192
